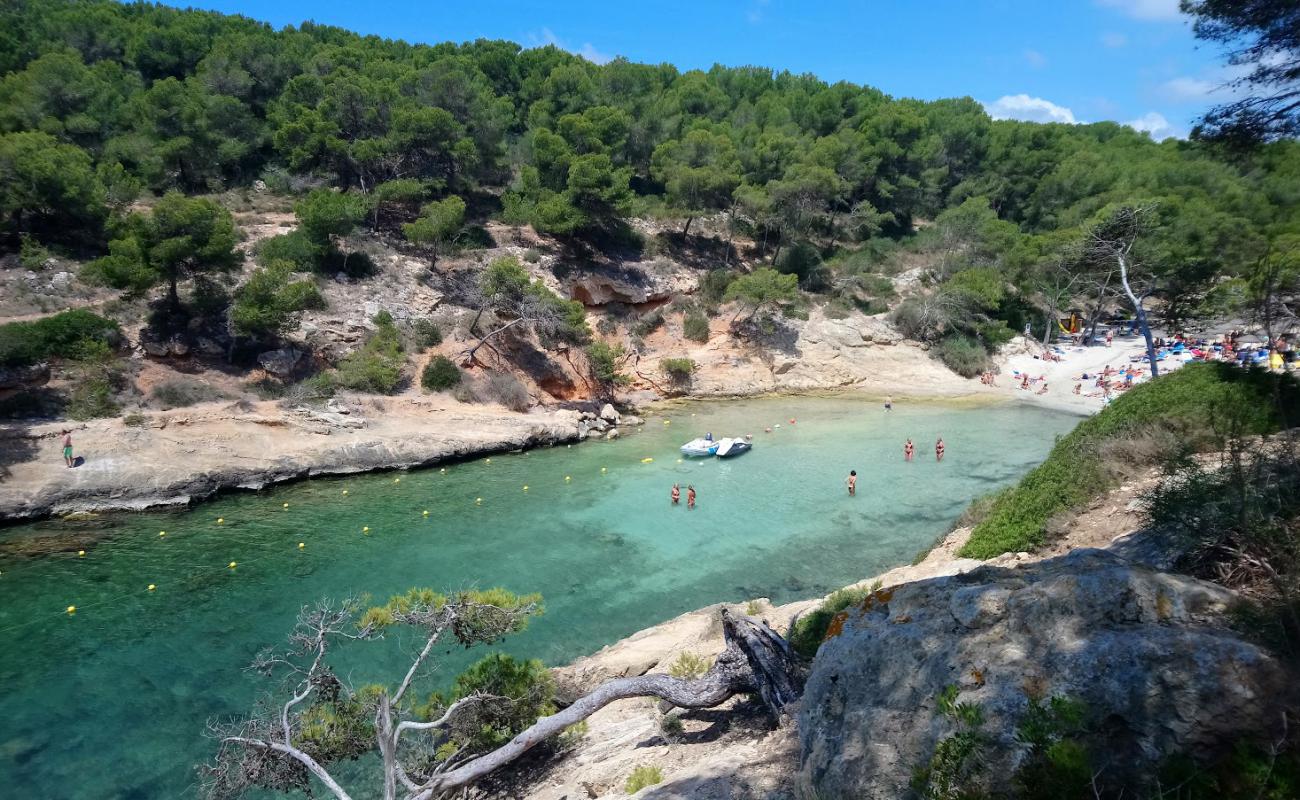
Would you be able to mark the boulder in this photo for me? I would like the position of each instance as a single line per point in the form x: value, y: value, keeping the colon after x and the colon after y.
x: 610, y: 414
x: 60, y: 281
x: 613, y: 434
x: 24, y: 377
x: 279, y: 362
x: 1146, y: 653
x: 630, y: 419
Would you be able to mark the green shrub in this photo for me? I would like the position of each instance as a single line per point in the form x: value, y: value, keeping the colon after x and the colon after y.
x: 695, y: 326
x: 641, y: 777
x: 62, y: 335
x: 182, y: 392
x: 92, y: 398
x: 1187, y: 400
x: 532, y: 255
x: 963, y: 355
x: 377, y: 366
x: 295, y: 248
x: 648, y: 324
x: 264, y: 303
x: 713, y: 286
x: 671, y: 726
x: 679, y: 370
x: 427, y: 334
x: 604, y: 360
x: 809, y: 631
x: 527, y: 686
x: 440, y: 374
x: 31, y: 255
x: 689, y: 666
x: 135, y: 420
x: 837, y: 308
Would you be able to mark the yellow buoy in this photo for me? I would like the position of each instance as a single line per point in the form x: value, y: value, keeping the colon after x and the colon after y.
x: 602, y: 469
x: 221, y: 521
x: 365, y: 529
x: 397, y: 480
x: 232, y: 564
x: 426, y: 513
x: 525, y: 487
x: 286, y: 505
x: 488, y: 461
x: 162, y: 533
x: 679, y: 461
x: 443, y: 470
x: 478, y: 501
x: 72, y: 609
x: 668, y: 422
x: 646, y: 460
x: 567, y: 478
x: 152, y: 587
x: 81, y: 554
x: 345, y: 491
x: 301, y: 545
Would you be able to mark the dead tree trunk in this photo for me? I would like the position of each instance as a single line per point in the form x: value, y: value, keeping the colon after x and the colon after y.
x: 756, y: 660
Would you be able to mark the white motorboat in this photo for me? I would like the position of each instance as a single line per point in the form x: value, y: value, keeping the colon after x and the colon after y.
x: 732, y: 447
x: 700, y: 448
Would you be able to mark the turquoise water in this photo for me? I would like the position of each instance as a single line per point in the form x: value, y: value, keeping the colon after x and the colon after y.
x: 111, y: 702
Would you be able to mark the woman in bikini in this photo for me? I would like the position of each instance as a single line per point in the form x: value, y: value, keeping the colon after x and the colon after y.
x: 908, y: 450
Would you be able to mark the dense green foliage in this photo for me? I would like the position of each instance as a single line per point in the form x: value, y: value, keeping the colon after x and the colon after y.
x: 62, y: 335
x: 1187, y: 402
x: 376, y: 366
x: 695, y: 326
x: 527, y: 687
x: 440, y: 374
x: 100, y: 99
x: 810, y: 629
x: 266, y: 301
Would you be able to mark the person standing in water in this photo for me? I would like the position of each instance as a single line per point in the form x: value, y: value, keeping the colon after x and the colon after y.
x: 690, y: 496
x: 889, y: 403
x: 908, y: 450
x: 938, y: 449
x: 852, y: 482
x: 677, y: 493
x: 67, y: 448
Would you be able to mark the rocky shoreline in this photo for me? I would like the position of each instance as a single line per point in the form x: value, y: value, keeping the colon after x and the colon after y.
x: 177, y: 458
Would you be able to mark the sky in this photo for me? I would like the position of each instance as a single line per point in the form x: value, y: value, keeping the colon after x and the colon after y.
x: 1131, y: 61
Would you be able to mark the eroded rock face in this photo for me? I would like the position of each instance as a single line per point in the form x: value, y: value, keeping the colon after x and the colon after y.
x: 24, y: 377
x: 279, y: 362
x: 1144, y: 651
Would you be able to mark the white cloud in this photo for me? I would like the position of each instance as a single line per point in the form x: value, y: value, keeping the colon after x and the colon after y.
x: 1162, y: 10
x: 1029, y: 109
x: 1035, y: 59
x: 587, y: 50
x: 1113, y: 39
x: 1187, y: 88
x: 1155, y: 124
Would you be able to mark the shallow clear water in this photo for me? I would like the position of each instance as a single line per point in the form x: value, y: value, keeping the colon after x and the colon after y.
x: 111, y: 702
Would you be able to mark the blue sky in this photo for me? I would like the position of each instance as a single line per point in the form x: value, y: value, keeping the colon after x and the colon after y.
x: 1132, y: 61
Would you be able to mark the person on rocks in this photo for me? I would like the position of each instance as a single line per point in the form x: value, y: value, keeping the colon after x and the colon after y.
x: 67, y: 449
x: 852, y: 482
x: 677, y: 493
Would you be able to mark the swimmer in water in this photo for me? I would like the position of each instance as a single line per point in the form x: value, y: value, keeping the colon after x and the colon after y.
x: 852, y: 482
x: 938, y: 449
x: 908, y: 450
x: 889, y: 403
x: 677, y: 494
x: 690, y: 496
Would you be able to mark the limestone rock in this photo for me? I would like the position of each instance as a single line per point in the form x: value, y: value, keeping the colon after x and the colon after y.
x: 279, y: 362
x: 24, y: 377
x: 1143, y: 650
x: 610, y: 414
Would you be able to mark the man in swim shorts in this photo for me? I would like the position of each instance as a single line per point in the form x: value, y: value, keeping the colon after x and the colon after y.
x: 852, y: 482
x: 67, y: 448
x: 889, y: 403
x: 690, y: 496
